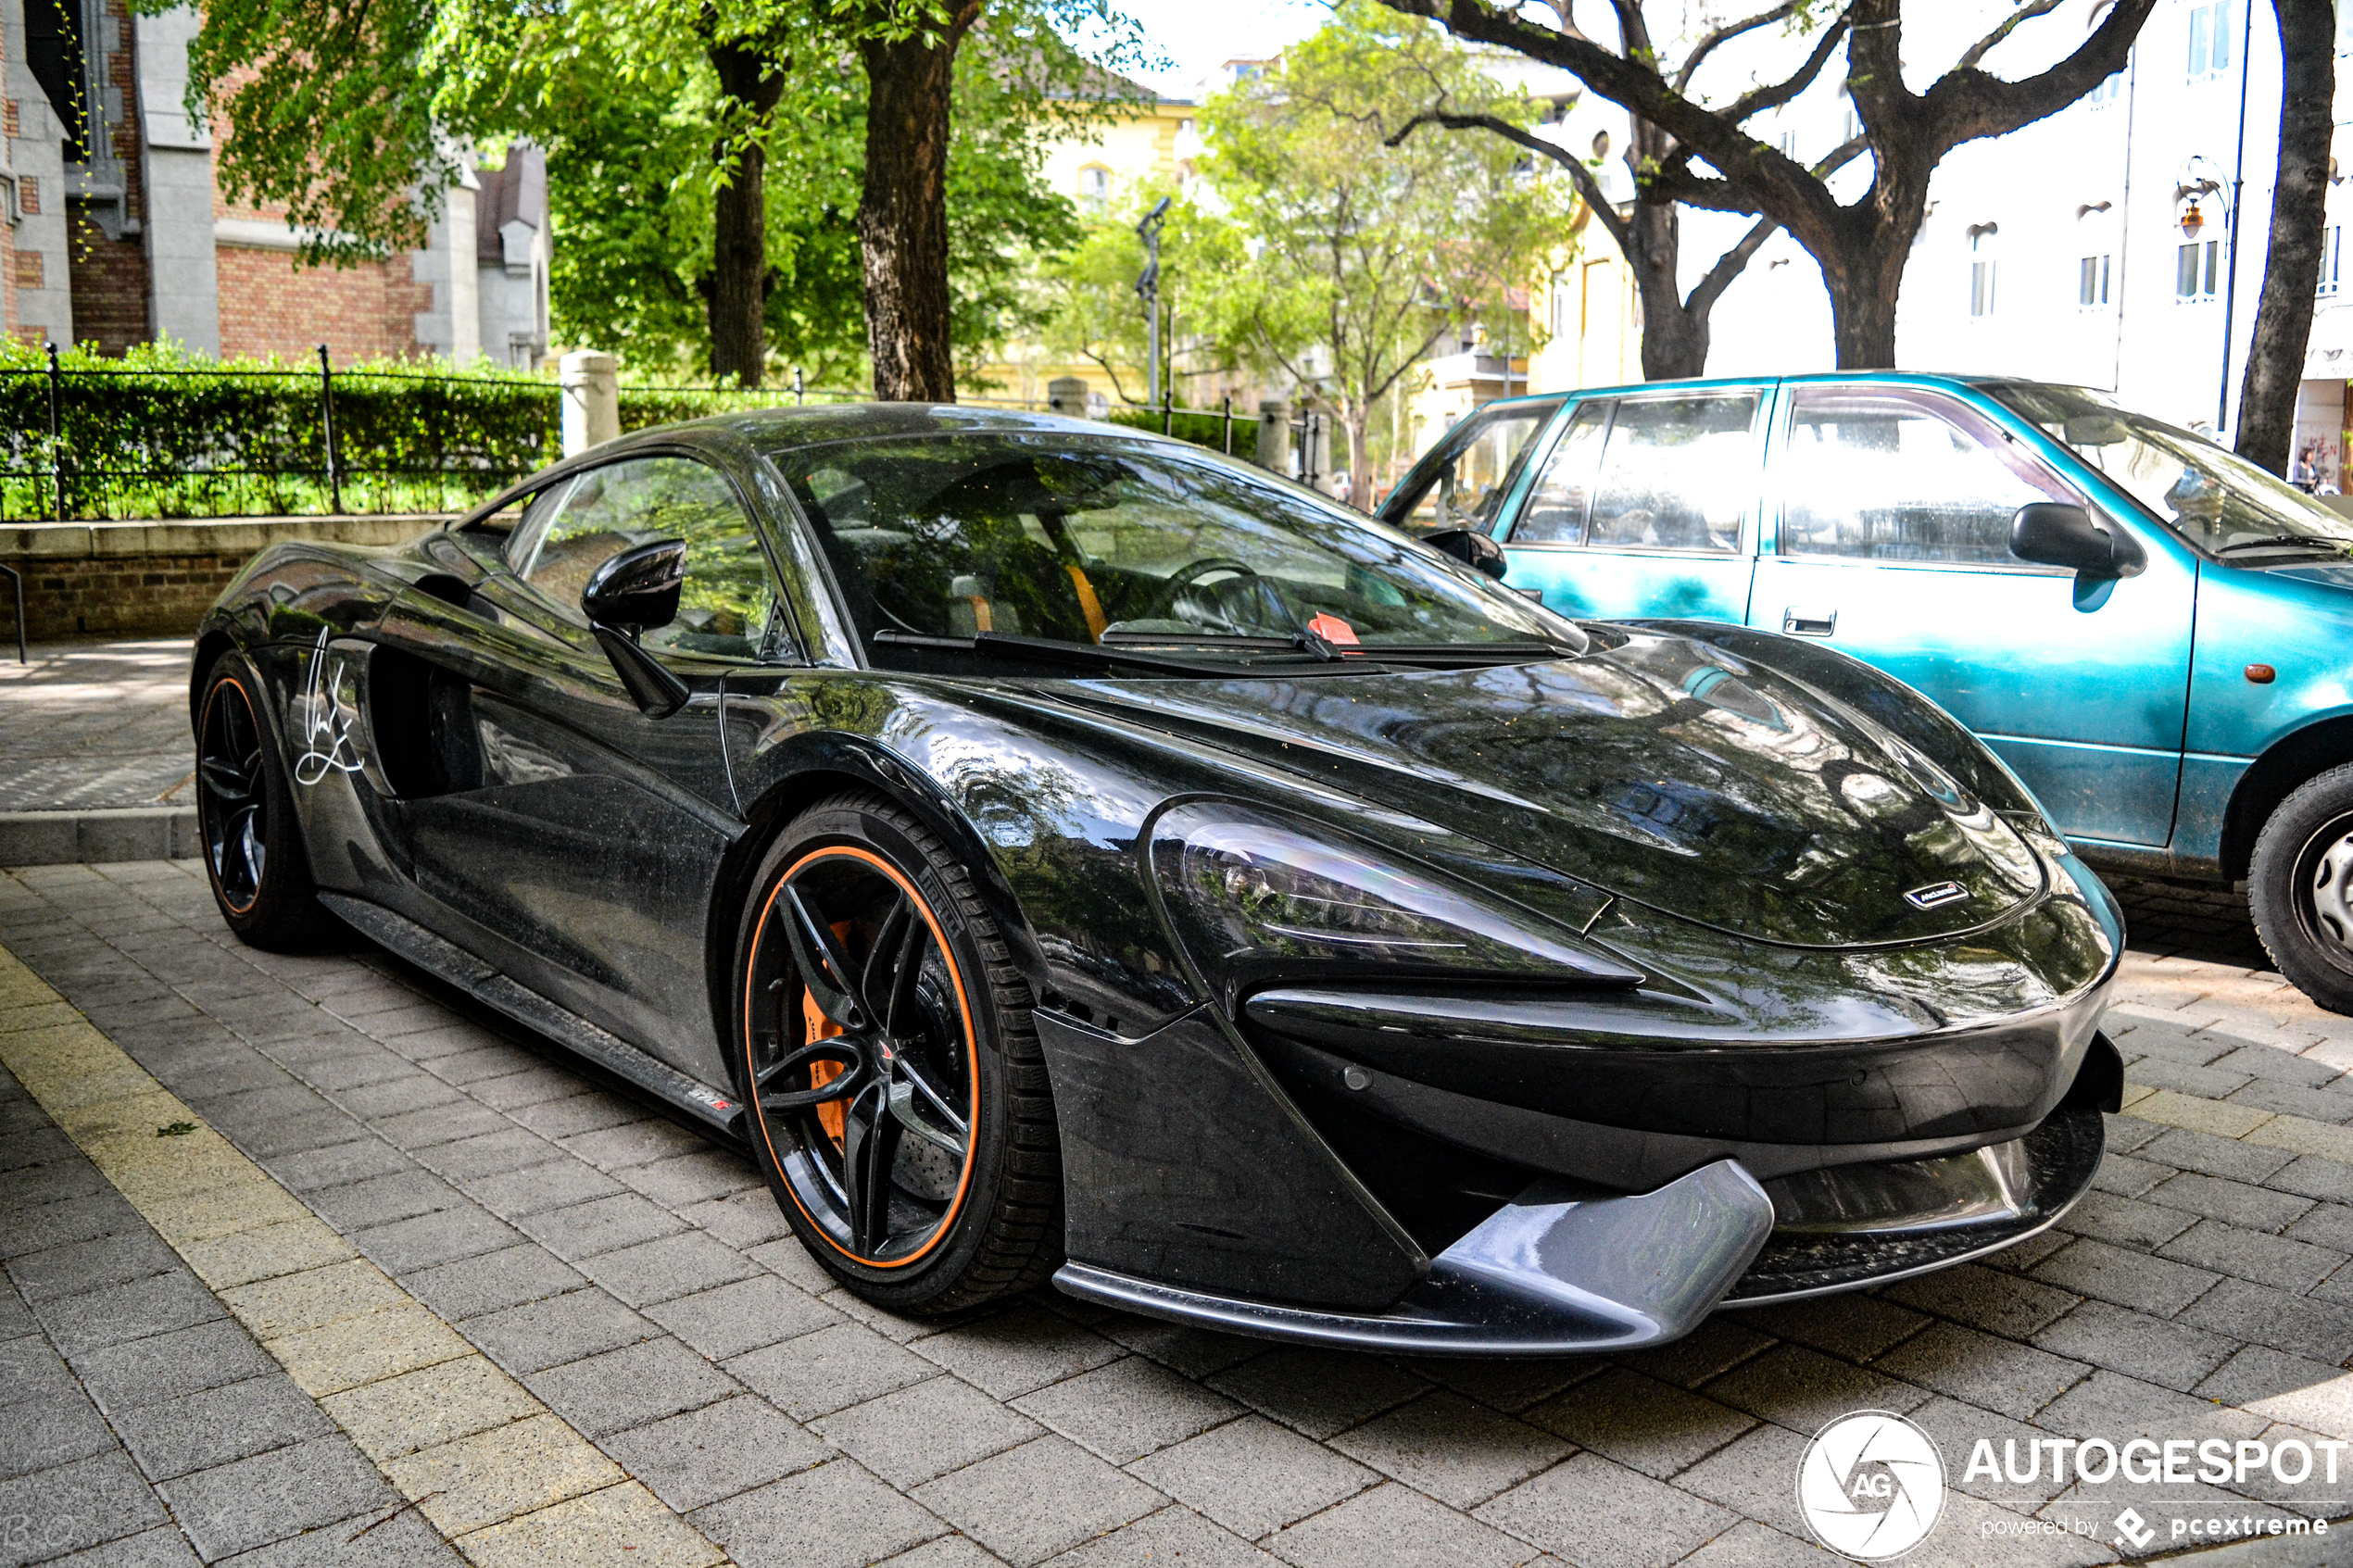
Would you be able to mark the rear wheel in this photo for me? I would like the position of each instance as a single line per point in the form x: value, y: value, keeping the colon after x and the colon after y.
x: 2300, y: 888
x: 895, y: 1093
x: 253, y: 853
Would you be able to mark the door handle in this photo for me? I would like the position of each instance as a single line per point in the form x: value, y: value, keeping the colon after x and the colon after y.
x: 1800, y: 621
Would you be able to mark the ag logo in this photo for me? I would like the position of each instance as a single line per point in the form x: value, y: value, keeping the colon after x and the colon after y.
x: 1871, y: 1484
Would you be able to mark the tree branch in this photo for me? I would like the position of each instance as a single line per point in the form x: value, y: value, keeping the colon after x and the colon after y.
x: 1967, y: 102
x: 1977, y: 51
x: 1733, y: 262
x: 1710, y: 41
x: 1748, y: 104
x: 1604, y: 211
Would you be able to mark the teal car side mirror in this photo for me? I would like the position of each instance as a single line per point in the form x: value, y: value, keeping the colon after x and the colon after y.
x: 2056, y: 533
x: 1471, y: 547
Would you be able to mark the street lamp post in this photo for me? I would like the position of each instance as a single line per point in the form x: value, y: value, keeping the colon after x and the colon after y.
x: 1148, y: 290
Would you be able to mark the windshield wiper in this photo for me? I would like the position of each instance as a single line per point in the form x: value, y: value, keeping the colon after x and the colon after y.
x: 1047, y: 651
x: 1380, y: 652
x: 2283, y: 541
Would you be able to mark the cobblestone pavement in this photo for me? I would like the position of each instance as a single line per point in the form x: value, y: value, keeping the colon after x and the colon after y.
x: 605, y: 1295
x: 93, y: 726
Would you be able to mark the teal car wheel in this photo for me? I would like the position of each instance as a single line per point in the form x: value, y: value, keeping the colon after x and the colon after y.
x: 2300, y: 888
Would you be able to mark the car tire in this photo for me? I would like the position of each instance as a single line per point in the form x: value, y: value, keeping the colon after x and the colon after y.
x: 908, y: 1137
x: 253, y: 853
x: 2300, y: 887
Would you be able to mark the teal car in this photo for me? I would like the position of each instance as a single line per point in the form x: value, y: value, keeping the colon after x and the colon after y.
x: 2154, y: 635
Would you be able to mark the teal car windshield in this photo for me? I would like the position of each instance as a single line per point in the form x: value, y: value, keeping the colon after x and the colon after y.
x: 2215, y: 499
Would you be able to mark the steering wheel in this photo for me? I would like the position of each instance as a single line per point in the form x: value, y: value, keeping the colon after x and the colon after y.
x: 1184, y: 577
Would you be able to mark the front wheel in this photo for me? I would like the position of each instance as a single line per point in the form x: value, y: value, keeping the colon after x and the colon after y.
x: 891, y: 1077
x: 253, y: 854
x: 2300, y: 888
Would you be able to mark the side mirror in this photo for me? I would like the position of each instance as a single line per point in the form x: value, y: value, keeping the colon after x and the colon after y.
x: 2055, y: 533
x: 636, y: 590
x: 1471, y: 547
x: 633, y: 593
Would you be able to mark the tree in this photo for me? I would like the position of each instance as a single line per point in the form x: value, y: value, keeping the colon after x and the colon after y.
x: 357, y: 115
x: 1362, y: 256
x: 1710, y: 160
x: 1649, y: 234
x: 1089, y: 306
x: 2299, y: 227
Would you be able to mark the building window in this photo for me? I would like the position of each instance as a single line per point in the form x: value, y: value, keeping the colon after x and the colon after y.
x: 2091, y: 286
x: 2197, y: 270
x: 1981, y: 270
x: 1788, y: 144
x: 53, y: 53
x: 2210, y: 39
x: 2332, y: 258
x: 2106, y: 92
x: 1094, y: 187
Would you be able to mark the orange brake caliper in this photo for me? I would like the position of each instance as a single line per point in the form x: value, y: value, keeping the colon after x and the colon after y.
x: 819, y: 1027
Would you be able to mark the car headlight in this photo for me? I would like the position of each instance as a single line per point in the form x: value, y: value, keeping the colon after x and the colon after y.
x: 1252, y: 895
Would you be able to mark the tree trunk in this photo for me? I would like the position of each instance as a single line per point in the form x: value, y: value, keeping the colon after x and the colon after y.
x: 2284, y: 320
x: 903, y: 216
x: 736, y: 296
x: 1674, y: 344
x: 1357, y: 418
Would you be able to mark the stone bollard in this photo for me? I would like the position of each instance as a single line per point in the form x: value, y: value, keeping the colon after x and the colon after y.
x: 1273, y: 435
x: 591, y: 385
x: 1066, y: 396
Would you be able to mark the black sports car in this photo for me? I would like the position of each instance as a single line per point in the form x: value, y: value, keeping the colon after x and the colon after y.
x: 1060, y: 852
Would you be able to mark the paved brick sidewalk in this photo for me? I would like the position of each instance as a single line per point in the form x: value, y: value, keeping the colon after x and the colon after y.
x: 95, y: 726
x: 639, y: 1283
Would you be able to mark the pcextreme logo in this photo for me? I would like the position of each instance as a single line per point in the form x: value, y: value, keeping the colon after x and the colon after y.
x: 1871, y: 1484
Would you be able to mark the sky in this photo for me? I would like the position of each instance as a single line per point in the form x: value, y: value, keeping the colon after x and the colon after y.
x: 1198, y: 35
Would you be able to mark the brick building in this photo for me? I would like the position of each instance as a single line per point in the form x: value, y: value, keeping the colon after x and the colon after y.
x: 117, y: 233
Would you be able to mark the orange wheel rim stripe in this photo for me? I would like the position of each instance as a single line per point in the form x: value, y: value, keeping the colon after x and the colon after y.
x: 209, y: 869
x: 972, y: 1051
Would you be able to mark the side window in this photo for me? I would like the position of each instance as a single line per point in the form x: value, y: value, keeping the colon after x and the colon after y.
x: 1555, y: 511
x: 1880, y: 473
x: 728, y: 598
x: 1465, y: 486
x: 524, y: 536
x: 1677, y: 473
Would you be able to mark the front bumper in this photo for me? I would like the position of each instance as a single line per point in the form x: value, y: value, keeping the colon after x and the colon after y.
x: 1546, y: 1276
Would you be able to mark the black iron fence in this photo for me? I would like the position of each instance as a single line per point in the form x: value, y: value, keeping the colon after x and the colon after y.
x: 88, y: 440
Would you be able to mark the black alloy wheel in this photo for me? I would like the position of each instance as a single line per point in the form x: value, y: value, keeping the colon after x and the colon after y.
x: 892, y: 1078
x: 2300, y: 888
x: 253, y: 854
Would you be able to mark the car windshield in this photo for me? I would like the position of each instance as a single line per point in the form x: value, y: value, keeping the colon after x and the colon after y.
x: 2215, y: 499
x: 1461, y: 483
x: 1109, y: 542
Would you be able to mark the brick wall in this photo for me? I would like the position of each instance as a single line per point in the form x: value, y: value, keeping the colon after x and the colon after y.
x: 269, y: 305
x: 109, y: 287
x: 157, y: 596
x: 155, y: 579
x: 8, y: 229
x: 110, y: 277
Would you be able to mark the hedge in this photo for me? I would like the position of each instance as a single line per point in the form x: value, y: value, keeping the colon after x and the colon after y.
x: 160, y: 434
x: 164, y: 433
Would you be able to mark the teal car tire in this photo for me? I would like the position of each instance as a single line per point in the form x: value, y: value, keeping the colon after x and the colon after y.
x: 2300, y: 887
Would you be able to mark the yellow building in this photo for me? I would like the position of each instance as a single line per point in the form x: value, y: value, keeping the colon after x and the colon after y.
x: 1154, y: 141
x: 1592, y: 318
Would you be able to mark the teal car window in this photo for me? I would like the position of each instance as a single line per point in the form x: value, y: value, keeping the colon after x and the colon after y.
x: 2215, y: 499
x: 1555, y: 511
x: 1466, y: 484
x: 723, y: 608
x: 1677, y: 473
x: 1886, y: 473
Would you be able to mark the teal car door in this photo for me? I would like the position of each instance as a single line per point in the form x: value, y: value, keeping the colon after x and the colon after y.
x: 1893, y: 544
x: 1645, y: 507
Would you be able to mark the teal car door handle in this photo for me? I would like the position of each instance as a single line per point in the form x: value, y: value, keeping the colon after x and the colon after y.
x: 1799, y: 621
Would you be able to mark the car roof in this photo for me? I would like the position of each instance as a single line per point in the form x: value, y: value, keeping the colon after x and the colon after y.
x: 782, y: 429
x: 1899, y: 377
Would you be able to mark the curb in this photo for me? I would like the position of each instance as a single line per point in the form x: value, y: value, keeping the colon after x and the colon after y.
x: 59, y: 838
